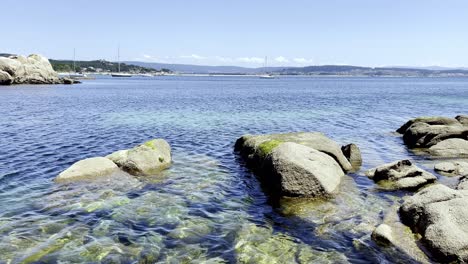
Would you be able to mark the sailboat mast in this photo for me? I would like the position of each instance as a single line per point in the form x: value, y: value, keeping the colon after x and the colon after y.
x: 74, y: 67
x: 118, y: 56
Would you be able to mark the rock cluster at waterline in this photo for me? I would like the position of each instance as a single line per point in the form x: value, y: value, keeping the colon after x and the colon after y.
x: 401, y: 174
x: 146, y: 159
x: 34, y: 69
x: 304, y: 164
x: 438, y: 136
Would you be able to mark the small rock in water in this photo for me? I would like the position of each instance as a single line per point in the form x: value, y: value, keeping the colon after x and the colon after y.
x: 452, y: 168
x: 400, y: 175
x: 353, y: 154
x: 88, y: 169
x: 383, y: 234
x: 146, y: 159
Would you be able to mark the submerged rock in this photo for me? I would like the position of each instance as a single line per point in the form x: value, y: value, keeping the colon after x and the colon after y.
x: 400, y: 175
x: 35, y: 69
x: 296, y: 164
x: 146, y: 159
x: 88, y: 169
x: 439, y: 136
x: 440, y: 215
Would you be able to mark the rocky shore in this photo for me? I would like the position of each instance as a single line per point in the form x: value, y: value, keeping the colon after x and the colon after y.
x: 310, y: 165
x: 34, y: 69
x: 428, y: 224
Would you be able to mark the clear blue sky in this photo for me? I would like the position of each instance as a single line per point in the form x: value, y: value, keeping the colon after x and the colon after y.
x: 222, y: 32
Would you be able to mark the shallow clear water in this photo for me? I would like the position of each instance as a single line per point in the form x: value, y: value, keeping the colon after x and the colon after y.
x: 207, y: 206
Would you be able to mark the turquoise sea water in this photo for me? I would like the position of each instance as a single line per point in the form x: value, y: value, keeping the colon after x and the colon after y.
x: 207, y: 207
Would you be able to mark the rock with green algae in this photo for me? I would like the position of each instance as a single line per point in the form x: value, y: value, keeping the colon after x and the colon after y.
x: 296, y: 164
x: 256, y: 244
x: 147, y: 159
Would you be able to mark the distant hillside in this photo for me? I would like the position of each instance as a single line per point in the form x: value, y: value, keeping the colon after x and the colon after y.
x: 98, y: 66
x: 322, y: 70
x: 187, y: 68
x: 339, y: 70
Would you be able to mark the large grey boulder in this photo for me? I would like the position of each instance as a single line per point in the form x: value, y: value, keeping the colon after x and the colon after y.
x: 440, y: 215
x: 453, y: 147
x: 303, y: 164
x: 303, y: 171
x: 438, y: 136
x: 401, y: 174
x: 146, y: 159
x: 35, y: 69
x: 88, y: 169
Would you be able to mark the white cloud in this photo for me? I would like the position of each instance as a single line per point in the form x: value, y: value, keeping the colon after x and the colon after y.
x: 223, y: 59
x: 250, y: 59
x: 281, y: 59
x: 193, y: 56
x: 303, y: 60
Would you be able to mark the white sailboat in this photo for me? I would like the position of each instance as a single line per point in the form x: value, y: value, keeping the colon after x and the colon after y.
x: 74, y: 74
x: 266, y: 75
x: 119, y: 74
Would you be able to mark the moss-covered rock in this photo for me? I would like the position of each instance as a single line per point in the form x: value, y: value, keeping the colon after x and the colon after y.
x: 148, y: 158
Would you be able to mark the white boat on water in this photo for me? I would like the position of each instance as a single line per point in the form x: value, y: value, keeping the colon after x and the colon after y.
x: 266, y: 75
x: 118, y: 73
x: 74, y: 74
x: 77, y: 75
x: 144, y: 75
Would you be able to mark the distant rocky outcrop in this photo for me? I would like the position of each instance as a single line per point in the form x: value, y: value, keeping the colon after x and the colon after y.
x: 438, y: 136
x: 305, y: 164
x: 34, y: 69
x: 143, y: 160
x: 401, y: 174
x: 440, y: 215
